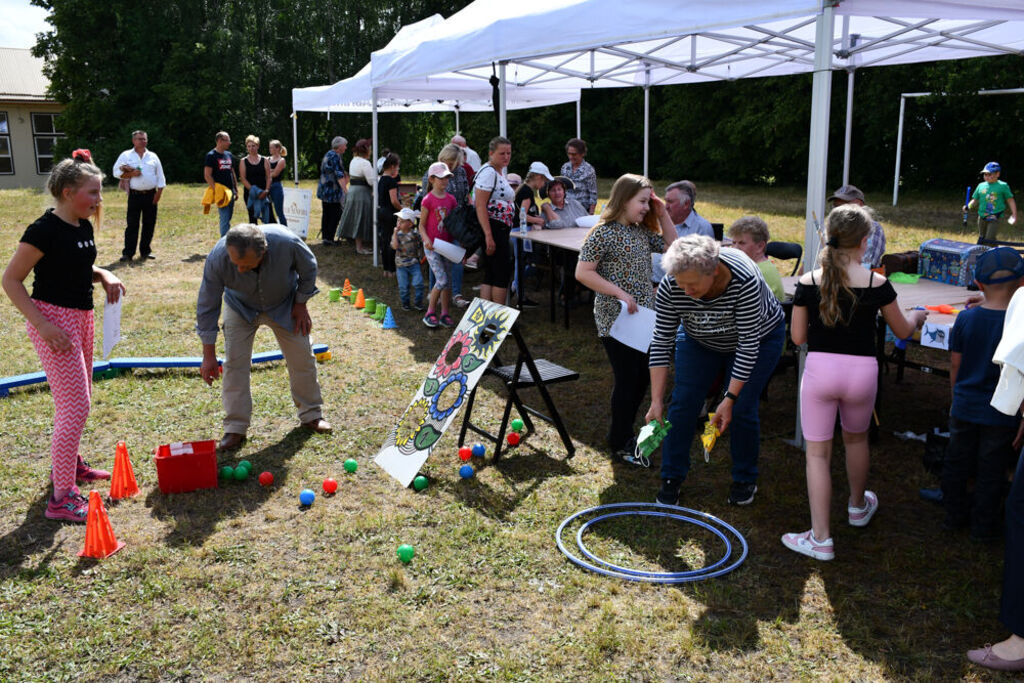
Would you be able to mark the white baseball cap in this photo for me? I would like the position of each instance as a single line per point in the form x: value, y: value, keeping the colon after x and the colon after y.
x: 541, y: 168
x: 439, y: 169
x: 407, y: 214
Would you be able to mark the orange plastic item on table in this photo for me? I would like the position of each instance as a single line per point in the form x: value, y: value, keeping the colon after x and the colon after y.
x: 122, y: 481
x: 100, y: 541
x: 945, y: 309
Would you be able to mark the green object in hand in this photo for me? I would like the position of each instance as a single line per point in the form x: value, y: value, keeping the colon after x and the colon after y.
x: 651, y: 436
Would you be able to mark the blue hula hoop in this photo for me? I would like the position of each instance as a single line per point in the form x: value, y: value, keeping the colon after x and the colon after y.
x: 702, y: 519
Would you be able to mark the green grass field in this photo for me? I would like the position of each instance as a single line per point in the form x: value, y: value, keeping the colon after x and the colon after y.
x: 238, y: 583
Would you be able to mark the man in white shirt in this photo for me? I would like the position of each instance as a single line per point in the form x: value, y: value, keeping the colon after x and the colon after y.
x: 146, y: 184
x: 679, y: 198
x: 472, y: 158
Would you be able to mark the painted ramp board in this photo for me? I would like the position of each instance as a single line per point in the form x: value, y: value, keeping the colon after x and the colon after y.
x: 446, y: 388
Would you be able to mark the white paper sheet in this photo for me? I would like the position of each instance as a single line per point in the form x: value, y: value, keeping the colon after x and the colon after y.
x: 634, y: 330
x: 450, y: 251
x: 111, y: 326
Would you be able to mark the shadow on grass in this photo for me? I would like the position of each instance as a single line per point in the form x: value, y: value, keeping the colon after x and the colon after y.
x: 524, y: 470
x: 197, y: 514
x: 35, y: 531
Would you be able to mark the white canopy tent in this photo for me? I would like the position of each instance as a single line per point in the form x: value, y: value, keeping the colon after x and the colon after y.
x: 451, y: 92
x: 608, y: 43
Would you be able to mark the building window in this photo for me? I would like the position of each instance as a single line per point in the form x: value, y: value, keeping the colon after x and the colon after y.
x: 45, y: 135
x: 6, y: 160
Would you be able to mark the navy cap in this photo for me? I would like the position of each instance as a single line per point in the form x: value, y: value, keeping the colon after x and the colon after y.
x: 997, y: 260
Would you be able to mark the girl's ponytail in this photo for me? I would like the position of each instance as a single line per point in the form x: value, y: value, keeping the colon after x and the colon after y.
x: 845, y: 228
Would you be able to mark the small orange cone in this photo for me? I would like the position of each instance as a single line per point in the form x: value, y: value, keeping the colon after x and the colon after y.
x: 346, y: 291
x: 360, y: 299
x: 122, y: 481
x: 100, y: 541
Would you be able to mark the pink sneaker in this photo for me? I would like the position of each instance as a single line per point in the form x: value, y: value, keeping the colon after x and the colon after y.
x: 85, y: 473
x: 71, y: 508
x: 807, y: 544
x: 861, y: 516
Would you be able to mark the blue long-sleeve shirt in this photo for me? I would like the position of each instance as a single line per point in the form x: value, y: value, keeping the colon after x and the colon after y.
x: 287, y: 275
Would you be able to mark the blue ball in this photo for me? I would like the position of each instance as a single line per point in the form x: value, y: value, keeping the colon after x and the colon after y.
x: 307, y: 497
x: 466, y: 471
x: 479, y: 450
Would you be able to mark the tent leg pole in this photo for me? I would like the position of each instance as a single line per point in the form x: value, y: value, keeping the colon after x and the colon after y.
x: 458, y: 130
x: 849, y: 128
x: 295, y: 146
x: 502, y: 121
x: 899, y: 153
x: 647, y: 125
x: 579, y: 106
x: 373, y: 160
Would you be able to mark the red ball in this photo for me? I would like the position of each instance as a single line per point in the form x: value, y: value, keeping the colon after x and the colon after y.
x: 330, y: 485
x: 465, y: 453
x: 266, y: 478
x: 513, y: 439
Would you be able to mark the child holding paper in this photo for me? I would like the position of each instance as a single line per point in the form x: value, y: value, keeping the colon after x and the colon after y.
x: 437, y: 204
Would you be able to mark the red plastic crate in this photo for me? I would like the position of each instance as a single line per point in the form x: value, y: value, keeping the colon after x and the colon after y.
x: 188, y: 471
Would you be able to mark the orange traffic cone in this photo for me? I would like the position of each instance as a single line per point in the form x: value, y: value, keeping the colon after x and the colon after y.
x: 122, y: 482
x: 100, y: 541
x: 346, y: 291
x: 360, y: 299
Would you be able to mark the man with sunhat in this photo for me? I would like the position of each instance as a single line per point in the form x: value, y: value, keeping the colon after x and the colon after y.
x: 850, y: 194
x: 991, y: 199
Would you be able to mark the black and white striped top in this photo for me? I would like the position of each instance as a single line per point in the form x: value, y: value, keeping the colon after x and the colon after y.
x: 736, y: 320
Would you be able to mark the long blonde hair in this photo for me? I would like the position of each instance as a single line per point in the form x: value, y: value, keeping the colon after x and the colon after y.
x: 624, y: 189
x: 70, y: 174
x: 845, y: 228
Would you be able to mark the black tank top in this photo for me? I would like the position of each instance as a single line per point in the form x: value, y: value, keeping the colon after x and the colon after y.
x: 255, y: 173
x: 273, y: 165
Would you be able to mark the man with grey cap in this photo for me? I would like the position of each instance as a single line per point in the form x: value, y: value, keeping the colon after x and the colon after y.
x: 264, y: 275
x: 850, y: 194
x: 679, y: 199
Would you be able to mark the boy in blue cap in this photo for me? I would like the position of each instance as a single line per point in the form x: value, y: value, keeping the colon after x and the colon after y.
x: 980, y: 437
x: 991, y: 199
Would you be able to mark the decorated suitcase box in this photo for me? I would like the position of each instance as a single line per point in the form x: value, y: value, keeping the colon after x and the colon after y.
x: 948, y: 261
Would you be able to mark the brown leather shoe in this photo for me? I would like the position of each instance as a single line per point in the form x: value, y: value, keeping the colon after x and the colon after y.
x: 231, y: 442
x: 319, y: 425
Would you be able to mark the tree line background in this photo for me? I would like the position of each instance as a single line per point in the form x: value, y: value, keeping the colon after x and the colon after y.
x: 184, y: 69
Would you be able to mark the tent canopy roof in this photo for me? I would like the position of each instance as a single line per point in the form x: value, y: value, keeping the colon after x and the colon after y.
x: 609, y: 43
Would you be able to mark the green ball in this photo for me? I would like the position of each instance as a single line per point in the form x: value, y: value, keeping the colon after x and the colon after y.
x: 243, y: 466
x: 406, y: 553
x: 246, y: 464
x: 420, y: 483
x: 517, y: 425
x: 351, y: 465
x: 241, y: 473
x: 227, y: 472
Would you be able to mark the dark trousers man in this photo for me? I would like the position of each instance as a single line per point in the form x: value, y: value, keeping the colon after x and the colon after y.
x: 140, y: 204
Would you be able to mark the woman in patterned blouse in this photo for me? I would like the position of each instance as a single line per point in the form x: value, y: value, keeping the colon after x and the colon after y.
x: 615, y: 262
x: 581, y: 173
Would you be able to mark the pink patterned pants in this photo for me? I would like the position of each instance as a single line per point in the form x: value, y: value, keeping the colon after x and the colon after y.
x: 70, y: 377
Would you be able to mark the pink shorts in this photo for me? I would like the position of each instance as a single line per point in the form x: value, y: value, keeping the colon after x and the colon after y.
x: 837, y: 381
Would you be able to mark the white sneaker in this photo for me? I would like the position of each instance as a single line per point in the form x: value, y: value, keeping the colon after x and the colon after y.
x: 861, y: 516
x: 807, y: 544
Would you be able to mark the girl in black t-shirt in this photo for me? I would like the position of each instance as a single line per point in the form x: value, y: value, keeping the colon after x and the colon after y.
x: 59, y: 248
x: 834, y: 312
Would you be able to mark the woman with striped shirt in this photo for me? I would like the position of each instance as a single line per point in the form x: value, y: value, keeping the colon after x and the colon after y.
x: 731, y: 321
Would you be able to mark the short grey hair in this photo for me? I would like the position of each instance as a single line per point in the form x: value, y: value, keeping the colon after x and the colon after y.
x: 684, y: 188
x: 338, y: 141
x: 458, y: 140
x: 693, y: 252
x: 246, y: 237
x: 750, y: 225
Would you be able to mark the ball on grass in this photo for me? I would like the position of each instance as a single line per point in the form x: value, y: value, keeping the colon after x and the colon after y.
x: 466, y: 471
x: 513, y: 439
x: 307, y: 497
x: 351, y: 465
x: 479, y: 450
x: 241, y: 473
x: 420, y: 483
x: 406, y: 552
x: 266, y: 478
x: 330, y: 485
x: 246, y: 464
x: 465, y: 453
x: 517, y: 425
x: 227, y: 472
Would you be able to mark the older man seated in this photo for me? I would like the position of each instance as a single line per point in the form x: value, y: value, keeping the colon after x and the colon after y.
x: 561, y: 211
x: 679, y: 198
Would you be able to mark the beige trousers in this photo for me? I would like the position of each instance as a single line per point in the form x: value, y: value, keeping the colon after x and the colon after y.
x: 236, y: 393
